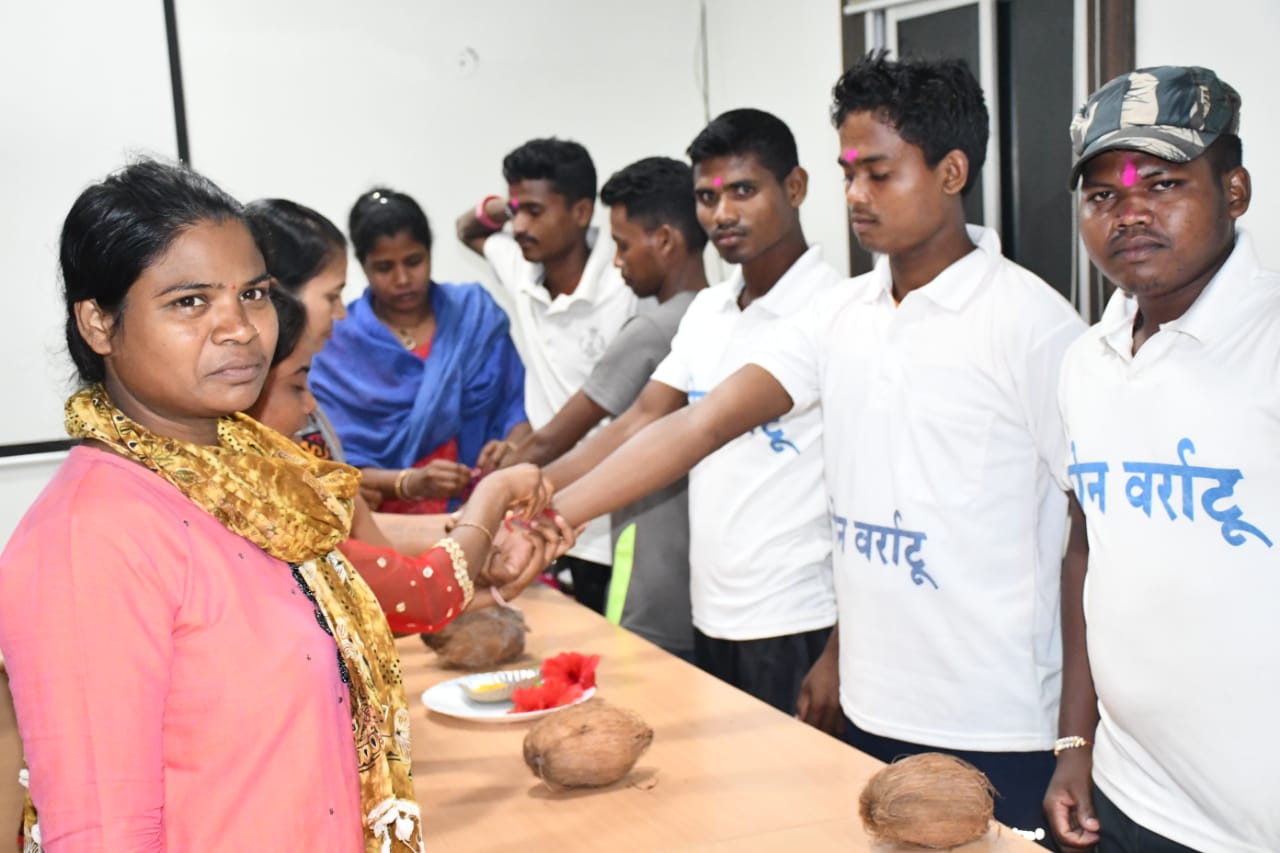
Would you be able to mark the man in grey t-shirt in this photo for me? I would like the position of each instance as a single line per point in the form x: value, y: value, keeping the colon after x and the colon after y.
x: 659, y: 252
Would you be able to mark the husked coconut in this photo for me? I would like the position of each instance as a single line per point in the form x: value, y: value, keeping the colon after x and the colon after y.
x: 586, y: 746
x: 929, y: 800
x: 480, y: 638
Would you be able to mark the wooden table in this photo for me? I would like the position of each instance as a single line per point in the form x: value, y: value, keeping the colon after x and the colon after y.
x: 726, y: 772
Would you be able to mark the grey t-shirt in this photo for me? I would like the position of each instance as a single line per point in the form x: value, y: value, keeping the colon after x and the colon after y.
x: 650, y: 585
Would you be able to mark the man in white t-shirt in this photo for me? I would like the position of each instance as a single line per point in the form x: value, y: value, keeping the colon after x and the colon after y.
x: 1172, y: 409
x: 760, y: 548
x: 565, y: 298
x: 660, y: 255
x: 936, y: 375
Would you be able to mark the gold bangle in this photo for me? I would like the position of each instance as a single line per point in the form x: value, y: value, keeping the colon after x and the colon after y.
x: 399, y: 490
x: 1062, y: 744
x: 477, y: 526
x: 460, y: 574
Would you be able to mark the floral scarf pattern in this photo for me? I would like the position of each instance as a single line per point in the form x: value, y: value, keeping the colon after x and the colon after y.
x: 297, y: 508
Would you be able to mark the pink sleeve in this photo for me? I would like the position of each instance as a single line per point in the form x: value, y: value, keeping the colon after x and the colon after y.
x: 89, y: 599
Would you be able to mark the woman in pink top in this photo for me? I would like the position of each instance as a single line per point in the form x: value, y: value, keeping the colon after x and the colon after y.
x: 193, y: 664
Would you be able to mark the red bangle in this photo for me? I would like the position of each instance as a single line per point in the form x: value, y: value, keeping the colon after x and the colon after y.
x: 483, y: 218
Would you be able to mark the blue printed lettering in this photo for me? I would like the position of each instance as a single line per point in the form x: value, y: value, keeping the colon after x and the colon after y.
x: 865, y: 535
x: 1151, y: 480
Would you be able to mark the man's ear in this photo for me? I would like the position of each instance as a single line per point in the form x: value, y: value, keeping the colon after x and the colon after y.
x: 796, y: 185
x: 96, y: 326
x: 581, y: 211
x: 1238, y: 187
x: 953, y: 169
x: 666, y: 240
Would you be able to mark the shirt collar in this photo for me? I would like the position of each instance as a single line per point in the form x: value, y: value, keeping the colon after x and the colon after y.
x: 954, y: 286
x: 594, y: 273
x: 788, y: 292
x: 1208, y: 316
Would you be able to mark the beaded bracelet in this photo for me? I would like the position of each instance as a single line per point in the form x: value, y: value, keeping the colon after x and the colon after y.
x: 459, y: 560
x: 1062, y: 744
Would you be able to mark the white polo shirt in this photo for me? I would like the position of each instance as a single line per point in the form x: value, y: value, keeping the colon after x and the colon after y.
x: 561, y: 339
x: 1184, y: 557
x: 760, y: 545
x: 942, y: 437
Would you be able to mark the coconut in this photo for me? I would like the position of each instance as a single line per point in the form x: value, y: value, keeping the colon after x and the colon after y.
x: 479, y: 639
x: 586, y: 746
x: 930, y: 800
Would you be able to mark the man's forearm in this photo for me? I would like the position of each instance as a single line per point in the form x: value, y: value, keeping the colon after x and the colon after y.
x: 667, y: 449
x: 575, y: 464
x: 655, y: 401
x: 659, y: 454
x: 1078, y: 714
x: 558, y: 436
x: 472, y: 232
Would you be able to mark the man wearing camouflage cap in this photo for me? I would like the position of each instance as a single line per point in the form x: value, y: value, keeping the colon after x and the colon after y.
x: 1172, y: 409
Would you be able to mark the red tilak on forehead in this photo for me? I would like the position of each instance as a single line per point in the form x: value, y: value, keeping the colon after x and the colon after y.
x: 851, y: 155
x: 715, y: 182
x: 1130, y: 175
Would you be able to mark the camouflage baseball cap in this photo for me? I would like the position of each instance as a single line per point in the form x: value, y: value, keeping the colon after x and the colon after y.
x: 1173, y: 112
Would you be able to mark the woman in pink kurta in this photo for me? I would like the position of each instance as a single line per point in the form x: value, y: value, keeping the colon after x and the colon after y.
x: 194, y: 666
x: 170, y: 678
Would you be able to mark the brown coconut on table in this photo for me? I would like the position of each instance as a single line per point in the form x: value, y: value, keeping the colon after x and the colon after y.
x: 479, y: 639
x: 586, y: 746
x: 929, y: 801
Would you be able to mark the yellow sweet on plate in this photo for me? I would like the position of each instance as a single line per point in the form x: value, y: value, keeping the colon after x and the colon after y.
x: 497, y: 686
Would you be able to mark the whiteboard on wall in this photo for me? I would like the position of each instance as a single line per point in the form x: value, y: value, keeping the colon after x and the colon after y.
x: 82, y: 92
x: 319, y: 100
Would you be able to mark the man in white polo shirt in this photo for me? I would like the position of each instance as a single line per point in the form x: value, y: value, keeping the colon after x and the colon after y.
x: 1172, y: 409
x: 936, y: 375
x: 566, y: 299
x: 760, y: 549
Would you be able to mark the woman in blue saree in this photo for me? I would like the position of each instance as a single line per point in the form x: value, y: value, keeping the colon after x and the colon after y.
x: 421, y: 380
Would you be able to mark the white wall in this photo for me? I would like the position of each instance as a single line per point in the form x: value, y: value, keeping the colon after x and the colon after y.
x: 80, y: 90
x: 318, y: 101
x: 22, y: 478
x: 784, y: 57
x: 1235, y: 39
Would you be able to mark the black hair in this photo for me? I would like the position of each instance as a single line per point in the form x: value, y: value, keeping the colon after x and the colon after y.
x: 748, y: 131
x: 118, y: 228
x: 1225, y: 154
x: 936, y: 105
x: 562, y: 162
x: 295, y: 241
x: 383, y: 212
x: 657, y: 191
x: 291, y: 318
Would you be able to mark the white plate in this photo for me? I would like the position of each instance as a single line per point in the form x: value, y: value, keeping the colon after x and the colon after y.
x: 448, y: 698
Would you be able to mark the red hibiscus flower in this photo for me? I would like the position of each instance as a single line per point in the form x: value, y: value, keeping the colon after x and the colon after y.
x: 565, y: 678
x: 548, y: 694
x: 572, y: 668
